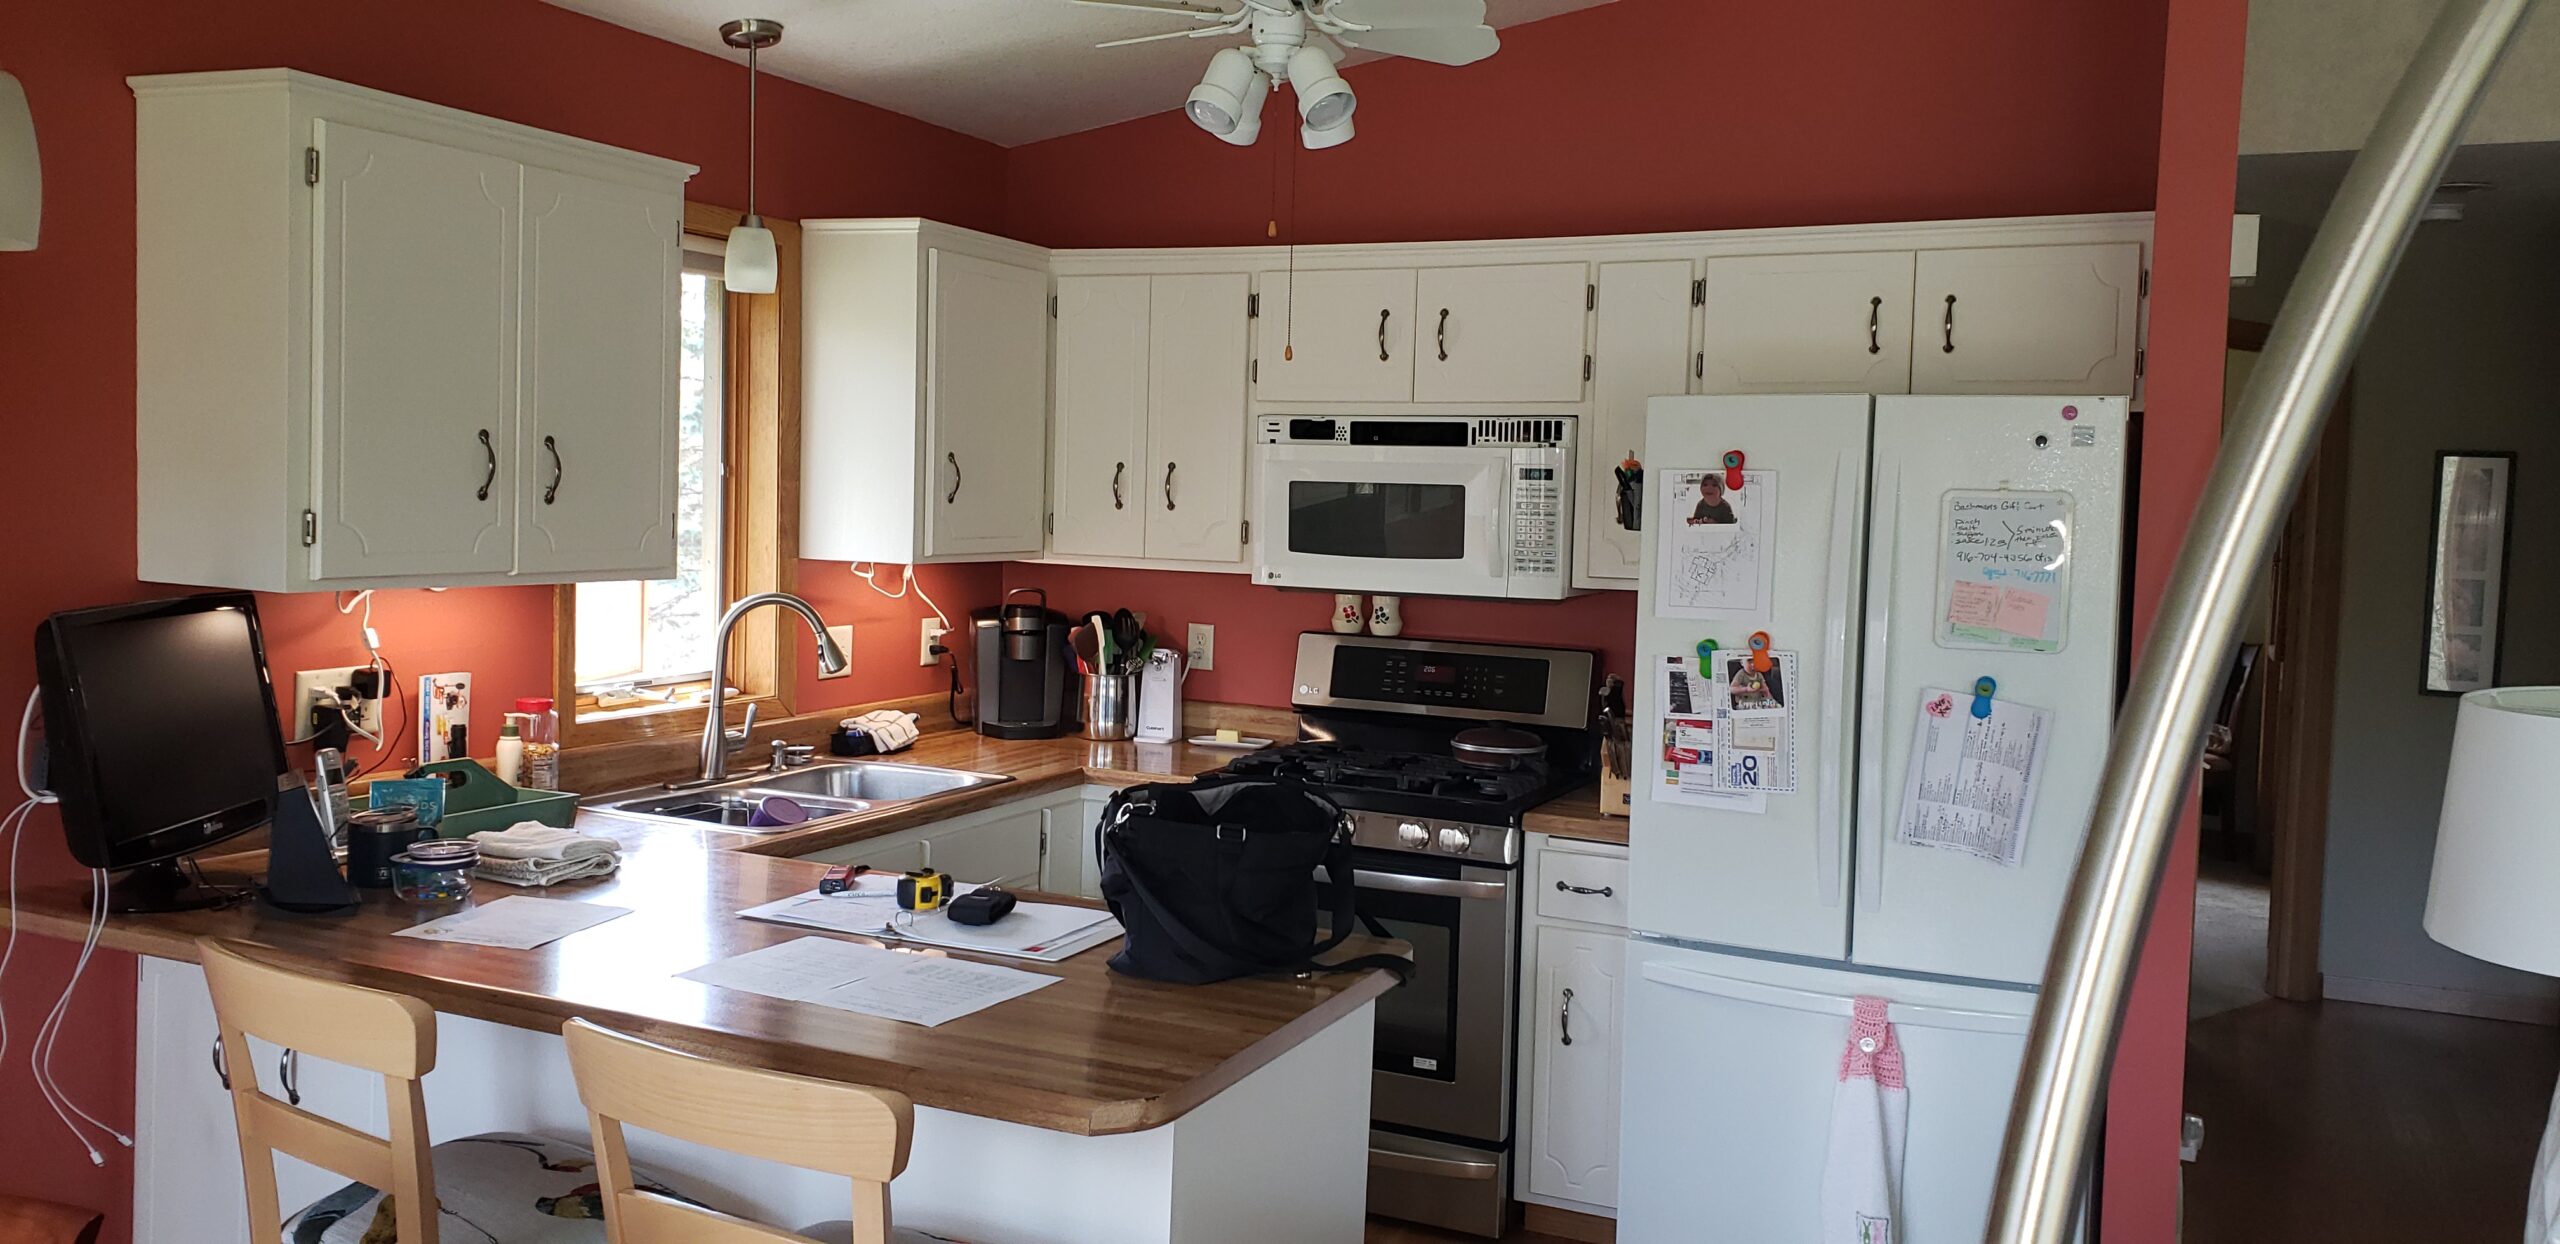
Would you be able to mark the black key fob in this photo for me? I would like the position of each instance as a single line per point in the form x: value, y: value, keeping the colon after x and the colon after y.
x: 984, y: 906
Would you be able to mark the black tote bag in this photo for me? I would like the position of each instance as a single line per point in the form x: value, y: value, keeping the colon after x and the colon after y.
x: 1216, y: 879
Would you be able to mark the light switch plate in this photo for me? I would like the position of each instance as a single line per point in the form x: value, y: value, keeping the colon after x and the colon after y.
x: 843, y: 635
x: 1203, y: 651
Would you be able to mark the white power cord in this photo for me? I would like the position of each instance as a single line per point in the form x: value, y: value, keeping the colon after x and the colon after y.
x: 40, y: 1052
x: 869, y: 576
x: 373, y: 656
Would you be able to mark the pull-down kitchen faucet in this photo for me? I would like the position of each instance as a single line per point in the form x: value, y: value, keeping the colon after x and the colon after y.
x: 715, y: 736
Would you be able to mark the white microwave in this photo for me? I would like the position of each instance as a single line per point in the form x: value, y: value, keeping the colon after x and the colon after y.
x: 1416, y: 504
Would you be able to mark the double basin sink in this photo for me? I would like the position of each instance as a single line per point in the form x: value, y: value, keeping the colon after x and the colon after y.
x: 827, y: 791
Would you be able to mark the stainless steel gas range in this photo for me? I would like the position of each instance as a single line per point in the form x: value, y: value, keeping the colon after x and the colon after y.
x: 1438, y: 843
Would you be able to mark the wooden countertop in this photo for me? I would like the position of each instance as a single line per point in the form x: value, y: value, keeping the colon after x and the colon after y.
x: 1576, y: 815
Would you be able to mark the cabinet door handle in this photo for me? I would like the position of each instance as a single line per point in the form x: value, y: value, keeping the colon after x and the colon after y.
x: 954, y: 494
x: 559, y: 470
x: 1603, y: 891
x: 221, y: 1065
x: 289, y: 1074
x: 1875, y: 319
x: 1118, y: 469
x: 1948, y: 326
x: 1444, y: 335
x: 1565, y: 1020
x: 1382, y: 334
x: 1168, y: 485
x: 490, y: 448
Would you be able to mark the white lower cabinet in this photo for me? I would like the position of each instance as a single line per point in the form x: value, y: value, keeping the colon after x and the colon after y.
x: 1570, y: 1006
x: 1011, y: 845
x: 1068, y: 860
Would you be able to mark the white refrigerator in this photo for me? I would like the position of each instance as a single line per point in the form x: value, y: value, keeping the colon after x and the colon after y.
x: 1897, y: 549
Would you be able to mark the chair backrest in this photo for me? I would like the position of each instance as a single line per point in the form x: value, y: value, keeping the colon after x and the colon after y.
x: 390, y: 1034
x: 819, y: 1125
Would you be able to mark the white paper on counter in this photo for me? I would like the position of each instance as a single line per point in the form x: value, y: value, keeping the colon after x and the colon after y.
x: 516, y: 922
x: 1972, y: 781
x: 867, y: 980
x: 1045, y: 932
x: 796, y: 971
x: 1705, y: 566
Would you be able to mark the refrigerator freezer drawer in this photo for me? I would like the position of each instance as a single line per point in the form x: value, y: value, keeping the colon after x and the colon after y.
x: 1730, y: 1068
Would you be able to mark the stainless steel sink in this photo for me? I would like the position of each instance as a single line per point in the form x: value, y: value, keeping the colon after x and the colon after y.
x: 829, y: 792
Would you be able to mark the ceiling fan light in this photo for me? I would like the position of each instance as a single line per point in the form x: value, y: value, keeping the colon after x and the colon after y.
x: 750, y: 264
x: 1249, y: 130
x: 1325, y: 101
x: 1218, y: 104
x: 1314, y: 139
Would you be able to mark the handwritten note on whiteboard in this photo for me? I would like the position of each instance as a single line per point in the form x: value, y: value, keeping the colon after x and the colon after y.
x: 1971, y: 781
x: 2004, y: 576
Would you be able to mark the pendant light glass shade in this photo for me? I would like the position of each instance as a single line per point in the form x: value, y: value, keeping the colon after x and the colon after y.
x: 21, y: 176
x: 750, y: 265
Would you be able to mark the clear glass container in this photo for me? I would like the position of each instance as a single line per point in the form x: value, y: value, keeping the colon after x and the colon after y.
x: 435, y: 873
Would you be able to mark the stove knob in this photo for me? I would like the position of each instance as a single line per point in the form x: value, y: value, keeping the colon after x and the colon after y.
x: 1413, y: 835
x: 1455, y: 841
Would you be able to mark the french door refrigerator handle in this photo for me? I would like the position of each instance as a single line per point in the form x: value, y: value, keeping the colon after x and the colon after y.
x: 1829, y: 805
x: 1873, y: 724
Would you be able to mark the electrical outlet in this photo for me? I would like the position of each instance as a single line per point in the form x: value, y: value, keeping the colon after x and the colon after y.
x: 313, y: 687
x: 843, y: 635
x: 1204, y: 646
x: 932, y: 634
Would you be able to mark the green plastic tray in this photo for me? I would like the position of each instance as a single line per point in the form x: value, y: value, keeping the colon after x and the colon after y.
x: 481, y: 801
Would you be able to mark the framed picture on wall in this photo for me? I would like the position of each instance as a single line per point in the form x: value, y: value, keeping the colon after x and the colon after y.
x: 2467, y: 570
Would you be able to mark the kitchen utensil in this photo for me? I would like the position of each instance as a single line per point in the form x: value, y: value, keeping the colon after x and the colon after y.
x: 1110, y: 706
x: 1159, y: 696
x: 1496, y: 747
x: 1088, y: 646
x: 1348, y: 613
x: 1386, y: 615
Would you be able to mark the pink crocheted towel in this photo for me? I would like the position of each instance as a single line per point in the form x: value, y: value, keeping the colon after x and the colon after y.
x: 1872, y: 1052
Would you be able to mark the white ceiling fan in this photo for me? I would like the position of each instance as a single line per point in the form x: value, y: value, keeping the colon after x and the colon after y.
x: 1292, y: 43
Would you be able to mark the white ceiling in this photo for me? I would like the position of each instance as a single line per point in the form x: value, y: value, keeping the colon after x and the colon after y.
x: 1009, y: 71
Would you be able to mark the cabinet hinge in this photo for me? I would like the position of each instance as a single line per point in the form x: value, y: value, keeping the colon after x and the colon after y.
x: 2143, y: 287
x: 1590, y: 297
x: 1053, y: 306
x: 1586, y: 368
x: 1051, y: 523
x: 2138, y: 362
x: 310, y: 529
x: 311, y: 166
x: 1698, y: 292
x: 1253, y: 306
x: 1244, y: 532
x: 1701, y: 369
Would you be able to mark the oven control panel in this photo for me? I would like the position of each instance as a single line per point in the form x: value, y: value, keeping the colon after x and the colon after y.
x: 1422, y: 835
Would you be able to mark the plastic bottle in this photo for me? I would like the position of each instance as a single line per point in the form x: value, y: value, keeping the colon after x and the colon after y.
x: 511, y: 751
x: 538, y: 719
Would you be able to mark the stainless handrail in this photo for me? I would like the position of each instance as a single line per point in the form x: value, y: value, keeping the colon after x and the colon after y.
x: 2152, y: 755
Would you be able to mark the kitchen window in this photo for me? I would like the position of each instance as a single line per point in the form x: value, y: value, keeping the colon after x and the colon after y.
x: 635, y: 657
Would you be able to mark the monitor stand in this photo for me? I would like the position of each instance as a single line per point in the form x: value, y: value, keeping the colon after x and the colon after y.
x: 167, y: 887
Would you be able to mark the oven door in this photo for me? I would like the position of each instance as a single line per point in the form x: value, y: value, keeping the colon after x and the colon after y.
x: 1443, y: 1052
x: 1417, y: 521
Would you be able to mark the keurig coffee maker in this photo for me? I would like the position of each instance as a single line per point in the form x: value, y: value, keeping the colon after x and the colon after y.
x: 1025, y: 669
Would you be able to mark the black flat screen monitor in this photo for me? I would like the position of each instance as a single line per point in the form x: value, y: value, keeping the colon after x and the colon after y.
x: 160, y: 723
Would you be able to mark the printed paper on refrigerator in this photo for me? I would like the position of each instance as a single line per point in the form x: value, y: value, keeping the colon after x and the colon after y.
x: 1970, y: 784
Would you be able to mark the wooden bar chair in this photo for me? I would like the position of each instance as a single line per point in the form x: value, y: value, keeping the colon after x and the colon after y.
x: 842, y: 1129
x: 497, y: 1188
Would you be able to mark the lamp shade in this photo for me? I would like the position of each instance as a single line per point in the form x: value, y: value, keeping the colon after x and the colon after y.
x: 750, y: 264
x: 2495, y: 891
x: 21, y: 177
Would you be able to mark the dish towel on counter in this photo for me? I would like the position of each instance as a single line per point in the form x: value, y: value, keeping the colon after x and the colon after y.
x: 890, y: 730
x: 529, y: 853
x: 1870, y: 1117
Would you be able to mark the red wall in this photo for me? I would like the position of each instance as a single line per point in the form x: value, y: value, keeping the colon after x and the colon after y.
x: 67, y: 359
x: 1636, y: 116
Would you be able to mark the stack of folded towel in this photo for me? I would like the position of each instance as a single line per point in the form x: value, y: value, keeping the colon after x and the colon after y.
x: 890, y: 730
x: 528, y: 853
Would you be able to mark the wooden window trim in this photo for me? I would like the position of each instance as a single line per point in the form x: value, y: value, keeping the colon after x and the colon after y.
x: 761, y: 415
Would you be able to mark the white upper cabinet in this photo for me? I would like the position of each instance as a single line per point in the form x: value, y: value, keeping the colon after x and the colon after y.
x: 984, y: 401
x: 1335, y: 336
x: 1100, y: 410
x: 1196, y: 421
x: 924, y: 369
x: 1640, y: 351
x: 2027, y: 319
x: 1151, y: 422
x: 360, y: 317
x: 1821, y: 323
x: 1507, y: 333
x: 597, y: 480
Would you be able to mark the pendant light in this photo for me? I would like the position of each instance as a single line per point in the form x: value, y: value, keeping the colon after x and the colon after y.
x: 21, y: 177
x: 751, y: 266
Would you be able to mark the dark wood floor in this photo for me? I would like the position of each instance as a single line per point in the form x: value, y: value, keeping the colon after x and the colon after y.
x: 1384, y: 1231
x: 2335, y: 1123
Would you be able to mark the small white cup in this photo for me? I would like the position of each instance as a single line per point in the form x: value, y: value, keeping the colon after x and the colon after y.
x: 1386, y: 615
x: 1347, y: 613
